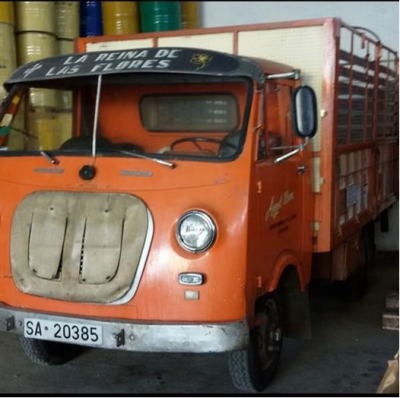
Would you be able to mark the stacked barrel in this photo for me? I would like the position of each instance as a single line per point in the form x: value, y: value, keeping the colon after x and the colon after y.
x: 91, y: 22
x: 48, y: 28
x: 157, y: 16
x: 120, y: 17
x: 36, y: 39
x: 67, y: 30
x: 8, y: 59
x: 190, y: 15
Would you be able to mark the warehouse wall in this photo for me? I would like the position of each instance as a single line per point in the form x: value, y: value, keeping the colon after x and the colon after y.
x: 382, y: 17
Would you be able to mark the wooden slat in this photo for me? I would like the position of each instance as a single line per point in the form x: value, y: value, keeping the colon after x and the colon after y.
x: 344, y: 88
x: 357, y: 104
x: 358, y: 76
x: 387, y: 71
x: 345, y: 56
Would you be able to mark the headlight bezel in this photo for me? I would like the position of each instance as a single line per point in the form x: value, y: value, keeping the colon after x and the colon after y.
x: 210, y: 223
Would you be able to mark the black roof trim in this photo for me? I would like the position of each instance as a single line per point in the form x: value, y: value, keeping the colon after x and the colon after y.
x: 158, y: 60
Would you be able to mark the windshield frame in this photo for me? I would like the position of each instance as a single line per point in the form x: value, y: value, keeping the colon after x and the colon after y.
x: 117, y: 154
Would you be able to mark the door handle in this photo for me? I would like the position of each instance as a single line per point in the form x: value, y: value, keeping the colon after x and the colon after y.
x: 301, y: 169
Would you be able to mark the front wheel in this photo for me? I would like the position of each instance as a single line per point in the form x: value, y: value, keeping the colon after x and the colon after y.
x: 252, y: 370
x: 47, y: 353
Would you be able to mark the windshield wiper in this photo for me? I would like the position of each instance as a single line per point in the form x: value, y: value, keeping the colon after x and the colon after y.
x: 138, y: 155
x: 49, y: 158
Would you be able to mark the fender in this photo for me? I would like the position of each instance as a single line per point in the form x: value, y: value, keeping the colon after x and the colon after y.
x: 293, y: 297
x: 285, y: 259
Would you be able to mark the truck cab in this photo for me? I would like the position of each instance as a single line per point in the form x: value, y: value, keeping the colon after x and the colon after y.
x: 168, y: 210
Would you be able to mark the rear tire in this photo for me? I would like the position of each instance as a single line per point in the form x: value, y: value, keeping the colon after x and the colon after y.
x: 47, y: 353
x: 252, y: 370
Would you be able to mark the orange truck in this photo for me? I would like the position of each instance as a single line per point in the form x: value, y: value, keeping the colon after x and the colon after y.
x: 194, y: 185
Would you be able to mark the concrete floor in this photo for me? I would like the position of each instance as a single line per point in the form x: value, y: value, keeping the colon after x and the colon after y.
x: 347, y: 355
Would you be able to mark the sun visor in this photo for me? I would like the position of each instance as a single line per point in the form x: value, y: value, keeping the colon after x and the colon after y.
x: 157, y: 60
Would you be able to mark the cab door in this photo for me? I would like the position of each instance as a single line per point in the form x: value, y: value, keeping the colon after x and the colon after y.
x: 281, y: 188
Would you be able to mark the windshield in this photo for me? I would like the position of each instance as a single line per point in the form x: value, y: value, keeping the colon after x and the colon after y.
x: 171, y: 117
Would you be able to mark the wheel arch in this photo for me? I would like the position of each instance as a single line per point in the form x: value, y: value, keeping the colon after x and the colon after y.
x: 287, y: 284
x: 286, y: 263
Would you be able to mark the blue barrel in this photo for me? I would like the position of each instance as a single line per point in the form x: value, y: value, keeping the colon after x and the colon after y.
x: 91, y: 18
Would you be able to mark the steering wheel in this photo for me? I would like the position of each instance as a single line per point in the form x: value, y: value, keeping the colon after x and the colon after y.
x: 195, y: 140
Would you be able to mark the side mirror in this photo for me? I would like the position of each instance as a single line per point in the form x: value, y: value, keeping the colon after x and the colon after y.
x: 304, y: 106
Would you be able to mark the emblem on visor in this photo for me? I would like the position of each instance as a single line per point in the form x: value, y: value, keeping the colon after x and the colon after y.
x: 31, y: 70
x: 201, y: 60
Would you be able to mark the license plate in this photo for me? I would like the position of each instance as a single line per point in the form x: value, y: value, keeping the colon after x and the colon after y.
x: 67, y: 332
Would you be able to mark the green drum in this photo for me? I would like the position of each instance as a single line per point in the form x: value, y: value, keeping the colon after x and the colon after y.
x: 157, y: 16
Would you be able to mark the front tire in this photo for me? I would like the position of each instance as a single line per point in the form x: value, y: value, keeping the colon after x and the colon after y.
x: 252, y: 370
x: 47, y: 353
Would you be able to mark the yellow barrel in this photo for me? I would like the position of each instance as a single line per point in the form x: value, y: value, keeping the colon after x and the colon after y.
x: 64, y: 128
x: 65, y: 97
x: 120, y: 17
x: 35, y: 46
x: 35, y: 16
x: 65, y: 46
x: 8, y: 59
x: 43, y: 126
x: 67, y: 19
x: 7, y: 40
x: 7, y: 12
x: 41, y: 97
x: 16, y: 139
x: 190, y: 14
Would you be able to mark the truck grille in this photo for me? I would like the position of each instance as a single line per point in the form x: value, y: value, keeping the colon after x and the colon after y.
x: 82, y: 247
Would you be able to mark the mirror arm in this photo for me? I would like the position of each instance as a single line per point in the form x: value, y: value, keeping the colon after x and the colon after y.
x: 288, y: 155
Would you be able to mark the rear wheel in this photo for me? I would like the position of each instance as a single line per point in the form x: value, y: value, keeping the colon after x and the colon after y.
x: 47, y: 353
x: 253, y: 369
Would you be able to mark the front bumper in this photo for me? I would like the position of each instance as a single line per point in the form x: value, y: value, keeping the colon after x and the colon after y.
x: 145, y: 337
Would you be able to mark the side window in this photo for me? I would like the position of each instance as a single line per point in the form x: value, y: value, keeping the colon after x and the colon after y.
x: 278, y: 124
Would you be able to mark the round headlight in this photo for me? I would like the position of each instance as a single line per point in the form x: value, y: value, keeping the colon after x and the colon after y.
x: 195, y: 231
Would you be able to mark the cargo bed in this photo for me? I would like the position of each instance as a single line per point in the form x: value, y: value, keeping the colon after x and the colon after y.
x: 355, y: 77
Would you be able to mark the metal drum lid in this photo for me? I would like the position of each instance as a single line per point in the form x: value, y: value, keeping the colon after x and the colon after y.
x: 35, y: 16
x: 67, y: 19
x: 120, y: 17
